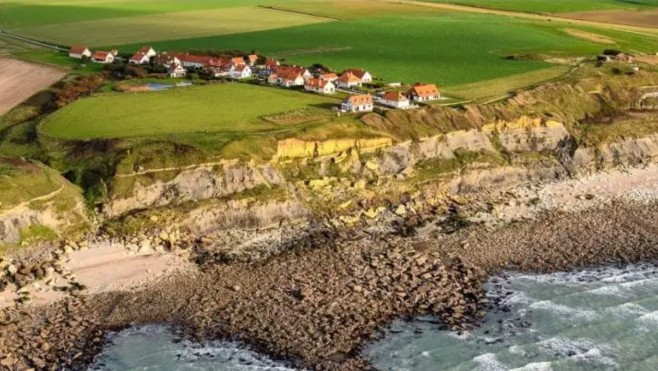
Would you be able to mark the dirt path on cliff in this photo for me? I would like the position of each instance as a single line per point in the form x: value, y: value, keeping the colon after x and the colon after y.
x: 647, y: 31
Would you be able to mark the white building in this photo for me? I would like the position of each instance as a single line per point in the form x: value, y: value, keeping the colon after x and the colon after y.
x: 357, y: 103
x: 139, y: 58
x: 319, y: 86
x: 79, y: 52
x: 363, y: 75
x: 395, y: 99
x: 176, y: 70
x: 241, y: 72
x: 348, y: 80
x: 148, y: 51
x: 423, y: 93
x: 102, y: 57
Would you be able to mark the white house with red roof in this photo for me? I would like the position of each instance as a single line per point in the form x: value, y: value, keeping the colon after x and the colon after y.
x: 319, y: 86
x: 176, y: 70
x: 423, y: 93
x: 289, y: 76
x: 192, y: 61
x: 329, y: 76
x: 139, y: 58
x: 357, y: 103
x: 363, y: 75
x: 240, y: 72
x: 102, y: 57
x: 395, y: 99
x: 148, y: 51
x: 348, y: 80
x: 79, y: 52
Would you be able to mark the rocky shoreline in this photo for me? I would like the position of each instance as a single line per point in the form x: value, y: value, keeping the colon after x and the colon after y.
x: 314, y: 294
x: 318, y: 304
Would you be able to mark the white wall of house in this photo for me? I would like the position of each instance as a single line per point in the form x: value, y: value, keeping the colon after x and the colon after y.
x: 347, y: 106
x: 402, y: 104
x: 367, y: 78
x: 108, y: 59
x: 347, y: 85
x: 245, y: 73
x: 86, y: 53
x: 144, y: 60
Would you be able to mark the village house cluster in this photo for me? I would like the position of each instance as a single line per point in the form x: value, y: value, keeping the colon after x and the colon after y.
x: 288, y: 76
x: 177, y: 64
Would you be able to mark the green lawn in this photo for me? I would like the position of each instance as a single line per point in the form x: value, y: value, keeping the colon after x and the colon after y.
x: 554, y: 6
x: 228, y: 109
x: 450, y: 49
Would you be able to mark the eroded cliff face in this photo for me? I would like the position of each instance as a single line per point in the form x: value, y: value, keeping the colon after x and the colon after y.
x: 45, y: 217
x: 531, y: 137
x: 358, y: 163
x: 199, y: 183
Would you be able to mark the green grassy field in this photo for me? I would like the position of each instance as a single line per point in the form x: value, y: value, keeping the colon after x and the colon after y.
x: 554, y: 6
x: 31, y: 13
x: 167, y: 26
x: 226, y: 108
x: 449, y: 49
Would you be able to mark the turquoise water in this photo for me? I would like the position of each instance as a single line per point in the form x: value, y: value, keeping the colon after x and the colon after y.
x: 598, y: 319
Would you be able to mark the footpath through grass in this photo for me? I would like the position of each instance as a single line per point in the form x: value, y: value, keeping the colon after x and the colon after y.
x: 231, y: 108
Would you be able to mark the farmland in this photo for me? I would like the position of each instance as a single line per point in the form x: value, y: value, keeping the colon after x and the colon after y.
x: 19, y: 80
x: 449, y: 49
x: 156, y: 27
x: 555, y: 6
x: 225, y: 108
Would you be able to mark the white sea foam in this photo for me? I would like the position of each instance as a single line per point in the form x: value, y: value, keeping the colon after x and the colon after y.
x: 608, y: 290
x: 573, y: 313
x: 650, y: 319
x: 515, y: 349
x: 489, y: 362
x: 537, y: 366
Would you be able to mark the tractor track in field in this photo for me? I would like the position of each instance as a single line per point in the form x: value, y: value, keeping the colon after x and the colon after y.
x: 646, y: 31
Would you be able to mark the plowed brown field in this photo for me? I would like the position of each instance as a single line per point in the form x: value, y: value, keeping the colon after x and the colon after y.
x: 20, y: 80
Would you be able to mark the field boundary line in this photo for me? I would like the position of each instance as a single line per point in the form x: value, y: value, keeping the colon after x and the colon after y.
x: 647, y: 31
x: 36, y: 199
x: 28, y: 40
x: 271, y: 7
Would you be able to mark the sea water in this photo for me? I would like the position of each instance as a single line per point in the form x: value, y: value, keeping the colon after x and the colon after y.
x: 595, y: 319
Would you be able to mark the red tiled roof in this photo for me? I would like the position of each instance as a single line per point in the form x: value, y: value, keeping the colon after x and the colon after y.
x: 237, y: 60
x: 427, y: 90
x: 394, y: 96
x: 138, y: 57
x: 77, y: 49
x: 316, y: 83
x: 144, y: 49
x: 349, y: 77
x: 357, y: 72
x: 241, y: 68
x: 358, y: 100
x: 329, y: 76
x: 100, y: 55
x: 288, y: 74
x: 253, y: 58
x: 190, y: 58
